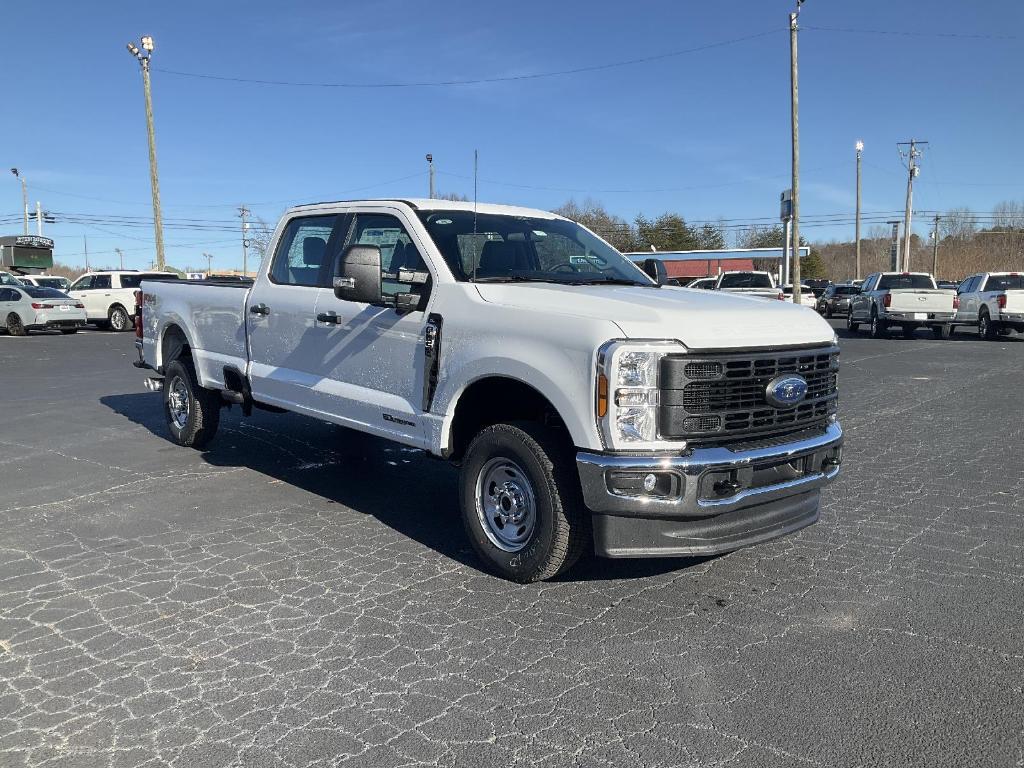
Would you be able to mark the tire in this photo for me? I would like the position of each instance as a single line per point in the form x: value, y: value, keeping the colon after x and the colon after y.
x: 987, y: 330
x: 538, y: 482
x: 828, y: 311
x: 942, y: 331
x: 66, y: 331
x: 14, y: 325
x: 118, y: 319
x: 879, y: 328
x: 192, y: 413
x: 851, y: 326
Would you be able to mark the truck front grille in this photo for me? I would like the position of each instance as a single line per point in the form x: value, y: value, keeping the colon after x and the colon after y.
x: 722, y: 398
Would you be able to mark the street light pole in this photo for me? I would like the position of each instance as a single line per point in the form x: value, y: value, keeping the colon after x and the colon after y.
x: 24, y: 195
x: 154, y: 181
x: 860, y: 150
x: 794, y: 104
x: 430, y: 165
x: 120, y: 256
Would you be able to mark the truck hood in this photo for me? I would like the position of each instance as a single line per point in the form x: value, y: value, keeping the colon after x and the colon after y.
x: 700, y: 319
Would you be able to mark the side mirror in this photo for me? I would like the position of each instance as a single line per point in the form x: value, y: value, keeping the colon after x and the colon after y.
x: 655, y: 269
x: 357, y: 275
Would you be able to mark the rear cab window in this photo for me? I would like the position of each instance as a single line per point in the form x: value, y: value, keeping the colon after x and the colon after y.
x: 1005, y: 283
x: 133, y: 281
x: 301, y: 256
x: 746, y: 280
x: 891, y: 282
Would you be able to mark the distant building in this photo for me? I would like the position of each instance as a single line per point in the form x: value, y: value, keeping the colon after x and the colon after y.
x: 693, y: 264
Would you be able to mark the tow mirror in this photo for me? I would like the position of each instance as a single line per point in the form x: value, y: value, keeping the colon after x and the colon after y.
x: 357, y: 276
x: 655, y: 269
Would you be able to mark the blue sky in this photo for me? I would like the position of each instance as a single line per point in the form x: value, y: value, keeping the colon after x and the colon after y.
x: 705, y: 134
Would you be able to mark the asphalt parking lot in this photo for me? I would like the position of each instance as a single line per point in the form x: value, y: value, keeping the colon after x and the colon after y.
x: 299, y: 595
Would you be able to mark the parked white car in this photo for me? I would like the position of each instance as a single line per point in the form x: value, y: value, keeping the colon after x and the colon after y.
x: 992, y: 301
x: 109, y: 297
x: 25, y: 308
x: 46, y: 281
x: 704, y: 283
x: 806, y: 295
x: 589, y: 408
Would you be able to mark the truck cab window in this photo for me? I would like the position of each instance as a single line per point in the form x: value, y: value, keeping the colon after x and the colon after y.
x: 301, y: 255
x: 101, y: 282
x: 397, y: 250
x: 82, y: 284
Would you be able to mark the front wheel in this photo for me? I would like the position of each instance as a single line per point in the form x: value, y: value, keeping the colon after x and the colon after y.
x: 192, y: 412
x: 521, y: 502
x: 14, y: 325
x: 851, y: 326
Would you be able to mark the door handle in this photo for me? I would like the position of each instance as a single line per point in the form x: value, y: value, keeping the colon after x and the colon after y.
x: 330, y: 318
x: 259, y: 309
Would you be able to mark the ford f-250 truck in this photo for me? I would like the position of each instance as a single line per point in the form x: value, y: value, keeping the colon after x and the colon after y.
x: 589, y: 408
x: 909, y: 300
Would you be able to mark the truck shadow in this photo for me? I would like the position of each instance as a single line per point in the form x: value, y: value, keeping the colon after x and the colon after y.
x: 403, y: 488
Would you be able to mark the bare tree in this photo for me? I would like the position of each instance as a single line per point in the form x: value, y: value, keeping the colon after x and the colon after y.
x: 1008, y: 215
x: 958, y: 224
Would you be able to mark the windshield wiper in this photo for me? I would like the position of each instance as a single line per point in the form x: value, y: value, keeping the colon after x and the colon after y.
x: 616, y: 281
x: 512, y: 279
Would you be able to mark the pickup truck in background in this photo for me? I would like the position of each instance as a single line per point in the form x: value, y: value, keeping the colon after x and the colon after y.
x: 589, y: 408
x: 992, y: 301
x: 760, y: 285
x: 909, y: 300
x: 109, y: 296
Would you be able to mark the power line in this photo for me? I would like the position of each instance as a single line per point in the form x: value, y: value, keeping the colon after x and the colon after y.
x: 479, y: 80
x: 901, y: 33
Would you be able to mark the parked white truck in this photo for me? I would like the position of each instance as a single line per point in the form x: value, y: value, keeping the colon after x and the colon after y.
x: 760, y: 285
x: 991, y: 301
x: 589, y: 408
x: 909, y: 300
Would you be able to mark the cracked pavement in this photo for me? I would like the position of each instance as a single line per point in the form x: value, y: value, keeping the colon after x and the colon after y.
x: 300, y: 595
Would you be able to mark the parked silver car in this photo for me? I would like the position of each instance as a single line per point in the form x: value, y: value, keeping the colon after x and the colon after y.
x: 27, y: 308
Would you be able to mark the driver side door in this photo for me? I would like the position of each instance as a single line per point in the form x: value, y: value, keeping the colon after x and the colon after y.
x: 373, y: 357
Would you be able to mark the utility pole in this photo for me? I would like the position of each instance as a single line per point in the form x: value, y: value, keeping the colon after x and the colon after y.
x: 39, y: 218
x: 912, y: 171
x: 244, y: 212
x: 154, y: 181
x: 794, y: 104
x: 430, y: 165
x: 935, y: 248
x: 860, y: 149
x: 85, y: 243
x: 24, y: 195
x: 120, y: 256
x: 209, y: 263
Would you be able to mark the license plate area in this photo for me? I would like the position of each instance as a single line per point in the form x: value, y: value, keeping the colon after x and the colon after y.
x: 920, y: 315
x: 721, y: 484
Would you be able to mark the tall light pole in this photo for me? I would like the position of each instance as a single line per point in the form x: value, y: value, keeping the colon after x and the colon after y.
x: 120, y: 256
x: 143, y: 58
x: 209, y: 263
x: 860, y: 149
x: 244, y: 213
x: 913, y: 171
x: 24, y: 195
x: 794, y: 105
x: 935, y: 248
x: 430, y: 166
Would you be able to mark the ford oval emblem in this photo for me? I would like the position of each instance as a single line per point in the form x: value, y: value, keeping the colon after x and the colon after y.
x: 786, y: 391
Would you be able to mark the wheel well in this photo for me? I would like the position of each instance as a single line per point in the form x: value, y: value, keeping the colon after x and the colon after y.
x: 174, y: 346
x: 495, y: 400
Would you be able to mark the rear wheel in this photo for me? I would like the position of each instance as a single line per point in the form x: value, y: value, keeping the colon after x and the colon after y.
x: 851, y: 326
x: 521, y: 502
x: 117, y: 319
x: 14, y: 325
x: 192, y: 412
x: 986, y: 328
x: 942, y: 331
x: 879, y: 328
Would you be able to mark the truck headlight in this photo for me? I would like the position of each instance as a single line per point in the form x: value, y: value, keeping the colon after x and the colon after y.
x: 628, y: 395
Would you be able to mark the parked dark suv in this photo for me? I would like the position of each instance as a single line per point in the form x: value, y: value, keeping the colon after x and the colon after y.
x: 836, y: 299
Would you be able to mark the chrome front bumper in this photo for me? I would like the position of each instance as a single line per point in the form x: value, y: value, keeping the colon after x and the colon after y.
x: 720, y: 499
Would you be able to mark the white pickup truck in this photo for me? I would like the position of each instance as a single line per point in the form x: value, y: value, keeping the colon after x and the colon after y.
x: 909, y: 300
x: 589, y: 408
x: 991, y: 301
x: 760, y: 285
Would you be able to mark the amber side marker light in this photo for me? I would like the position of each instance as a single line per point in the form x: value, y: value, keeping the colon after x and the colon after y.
x: 602, y: 395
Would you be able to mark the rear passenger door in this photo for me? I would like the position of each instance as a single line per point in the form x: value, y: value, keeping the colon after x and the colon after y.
x: 285, y: 345
x: 372, y: 360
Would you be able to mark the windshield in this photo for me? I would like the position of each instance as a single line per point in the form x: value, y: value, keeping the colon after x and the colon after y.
x: 745, y: 280
x: 845, y: 290
x: 505, y: 248
x: 1005, y: 283
x: 44, y: 293
x: 50, y: 282
x: 905, y: 281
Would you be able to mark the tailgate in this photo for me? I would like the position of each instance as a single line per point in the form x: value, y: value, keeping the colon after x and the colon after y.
x: 921, y: 300
x: 1014, y: 301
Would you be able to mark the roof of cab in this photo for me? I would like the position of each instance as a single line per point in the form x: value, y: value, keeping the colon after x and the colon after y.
x: 426, y: 204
